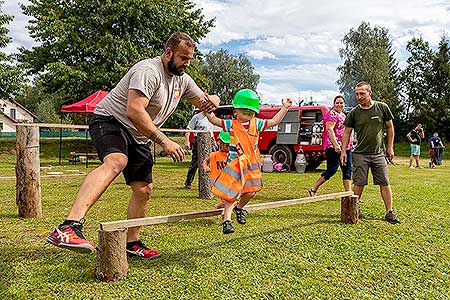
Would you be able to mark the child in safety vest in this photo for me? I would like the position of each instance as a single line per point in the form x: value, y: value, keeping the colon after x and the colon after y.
x: 217, y: 160
x: 241, y: 177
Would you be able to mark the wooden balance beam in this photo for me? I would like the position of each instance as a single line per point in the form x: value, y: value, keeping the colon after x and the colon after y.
x: 112, y: 264
x: 116, y: 225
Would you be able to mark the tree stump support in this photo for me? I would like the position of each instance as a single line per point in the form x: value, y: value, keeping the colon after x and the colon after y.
x: 204, y: 150
x: 349, y: 209
x: 112, y: 263
x: 28, y: 180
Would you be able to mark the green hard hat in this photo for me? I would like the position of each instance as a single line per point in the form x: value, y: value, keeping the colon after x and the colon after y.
x: 224, y: 137
x: 247, y: 99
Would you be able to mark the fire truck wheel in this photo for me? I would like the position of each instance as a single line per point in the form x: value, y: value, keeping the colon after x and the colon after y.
x: 281, y: 154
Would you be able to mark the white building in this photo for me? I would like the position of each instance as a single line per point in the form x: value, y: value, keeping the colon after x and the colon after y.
x: 12, y: 113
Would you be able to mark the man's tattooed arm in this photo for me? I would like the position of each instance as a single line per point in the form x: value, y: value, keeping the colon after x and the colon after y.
x: 157, y: 136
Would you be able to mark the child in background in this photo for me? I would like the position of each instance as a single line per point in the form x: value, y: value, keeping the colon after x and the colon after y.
x: 241, y: 177
x: 217, y: 161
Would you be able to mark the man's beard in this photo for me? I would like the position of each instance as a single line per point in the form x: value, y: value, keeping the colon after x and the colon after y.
x: 173, y: 68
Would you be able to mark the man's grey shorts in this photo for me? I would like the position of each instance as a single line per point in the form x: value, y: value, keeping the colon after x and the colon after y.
x: 377, y: 164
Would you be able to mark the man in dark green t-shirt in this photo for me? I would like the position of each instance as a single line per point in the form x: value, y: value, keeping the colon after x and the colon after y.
x: 369, y: 119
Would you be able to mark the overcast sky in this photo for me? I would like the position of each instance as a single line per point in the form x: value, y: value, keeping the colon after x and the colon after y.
x: 294, y: 44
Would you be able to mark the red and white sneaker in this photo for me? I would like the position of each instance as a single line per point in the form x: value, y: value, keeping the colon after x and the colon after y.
x: 71, y: 237
x: 138, y: 249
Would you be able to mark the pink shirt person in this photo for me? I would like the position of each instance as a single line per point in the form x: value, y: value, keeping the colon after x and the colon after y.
x: 338, y: 118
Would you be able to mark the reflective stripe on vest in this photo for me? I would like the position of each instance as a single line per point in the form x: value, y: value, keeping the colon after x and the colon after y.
x: 242, y: 174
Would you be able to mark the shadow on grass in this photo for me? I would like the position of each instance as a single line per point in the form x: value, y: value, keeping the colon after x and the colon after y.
x: 327, y: 218
x: 186, y: 258
x: 4, y: 216
x: 55, y: 265
x: 63, y: 266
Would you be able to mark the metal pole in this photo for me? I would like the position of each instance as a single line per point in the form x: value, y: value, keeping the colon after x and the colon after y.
x: 87, y: 145
x: 60, y: 140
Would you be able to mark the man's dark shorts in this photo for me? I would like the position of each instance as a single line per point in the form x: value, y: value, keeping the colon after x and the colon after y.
x: 378, y: 165
x: 109, y: 136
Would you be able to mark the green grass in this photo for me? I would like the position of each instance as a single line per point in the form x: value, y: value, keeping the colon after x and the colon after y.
x: 297, y: 252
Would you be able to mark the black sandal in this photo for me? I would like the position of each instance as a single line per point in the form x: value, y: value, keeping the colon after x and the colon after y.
x: 311, y: 191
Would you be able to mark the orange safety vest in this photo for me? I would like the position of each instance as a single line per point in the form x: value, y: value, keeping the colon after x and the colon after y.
x: 217, y: 161
x: 242, y: 174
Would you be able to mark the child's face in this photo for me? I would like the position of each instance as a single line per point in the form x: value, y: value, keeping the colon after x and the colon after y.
x: 243, y: 115
x: 223, y: 146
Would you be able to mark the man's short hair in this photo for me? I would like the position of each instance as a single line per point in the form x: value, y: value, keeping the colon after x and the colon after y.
x: 176, y: 38
x: 364, y: 83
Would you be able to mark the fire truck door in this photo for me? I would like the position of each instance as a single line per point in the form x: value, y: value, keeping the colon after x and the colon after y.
x: 288, y: 129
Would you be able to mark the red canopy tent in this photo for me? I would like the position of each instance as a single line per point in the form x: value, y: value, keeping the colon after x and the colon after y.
x: 85, y: 106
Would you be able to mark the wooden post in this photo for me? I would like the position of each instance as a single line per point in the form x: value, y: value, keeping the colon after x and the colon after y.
x: 112, y: 263
x: 28, y: 181
x: 204, y: 150
x: 349, y: 209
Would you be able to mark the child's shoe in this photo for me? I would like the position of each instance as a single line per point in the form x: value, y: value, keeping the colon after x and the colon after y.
x: 241, y: 215
x: 227, y: 227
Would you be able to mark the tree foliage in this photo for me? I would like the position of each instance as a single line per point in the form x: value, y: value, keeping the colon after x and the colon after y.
x: 12, y: 79
x: 426, y: 85
x: 87, y: 45
x: 416, y: 78
x: 44, y: 105
x: 227, y: 74
x: 368, y: 56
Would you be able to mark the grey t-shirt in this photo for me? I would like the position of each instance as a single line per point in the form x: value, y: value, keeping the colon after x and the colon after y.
x: 369, y: 125
x: 164, y: 93
x: 200, y: 122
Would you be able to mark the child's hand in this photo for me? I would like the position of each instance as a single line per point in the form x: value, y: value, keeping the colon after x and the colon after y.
x: 286, y: 102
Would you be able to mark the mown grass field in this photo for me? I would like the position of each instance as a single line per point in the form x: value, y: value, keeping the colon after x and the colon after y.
x: 298, y: 252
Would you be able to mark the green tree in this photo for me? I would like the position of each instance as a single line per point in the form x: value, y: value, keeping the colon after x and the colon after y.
x: 368, y: 56
x: 44, y: 105
x: 426, y: 84
x: 87, y: 45
x: 439, y: 104
x: 416, y: 81
x: 227, y: 74
x: 12, y: 78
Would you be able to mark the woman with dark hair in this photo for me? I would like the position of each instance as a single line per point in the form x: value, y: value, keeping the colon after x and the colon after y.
x: 333, y: 122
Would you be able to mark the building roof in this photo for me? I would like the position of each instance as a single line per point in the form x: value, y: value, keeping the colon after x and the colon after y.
x: 8, y: 117
x: 21, y: 106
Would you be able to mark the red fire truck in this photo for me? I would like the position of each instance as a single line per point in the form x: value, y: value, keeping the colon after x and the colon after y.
x: 300, y: 129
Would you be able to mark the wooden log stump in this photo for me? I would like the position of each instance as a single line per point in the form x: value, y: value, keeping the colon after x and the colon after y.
x: 112, y: 263
x: 28, y: 180
x: 349, y: 209
x: 204, y: 150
